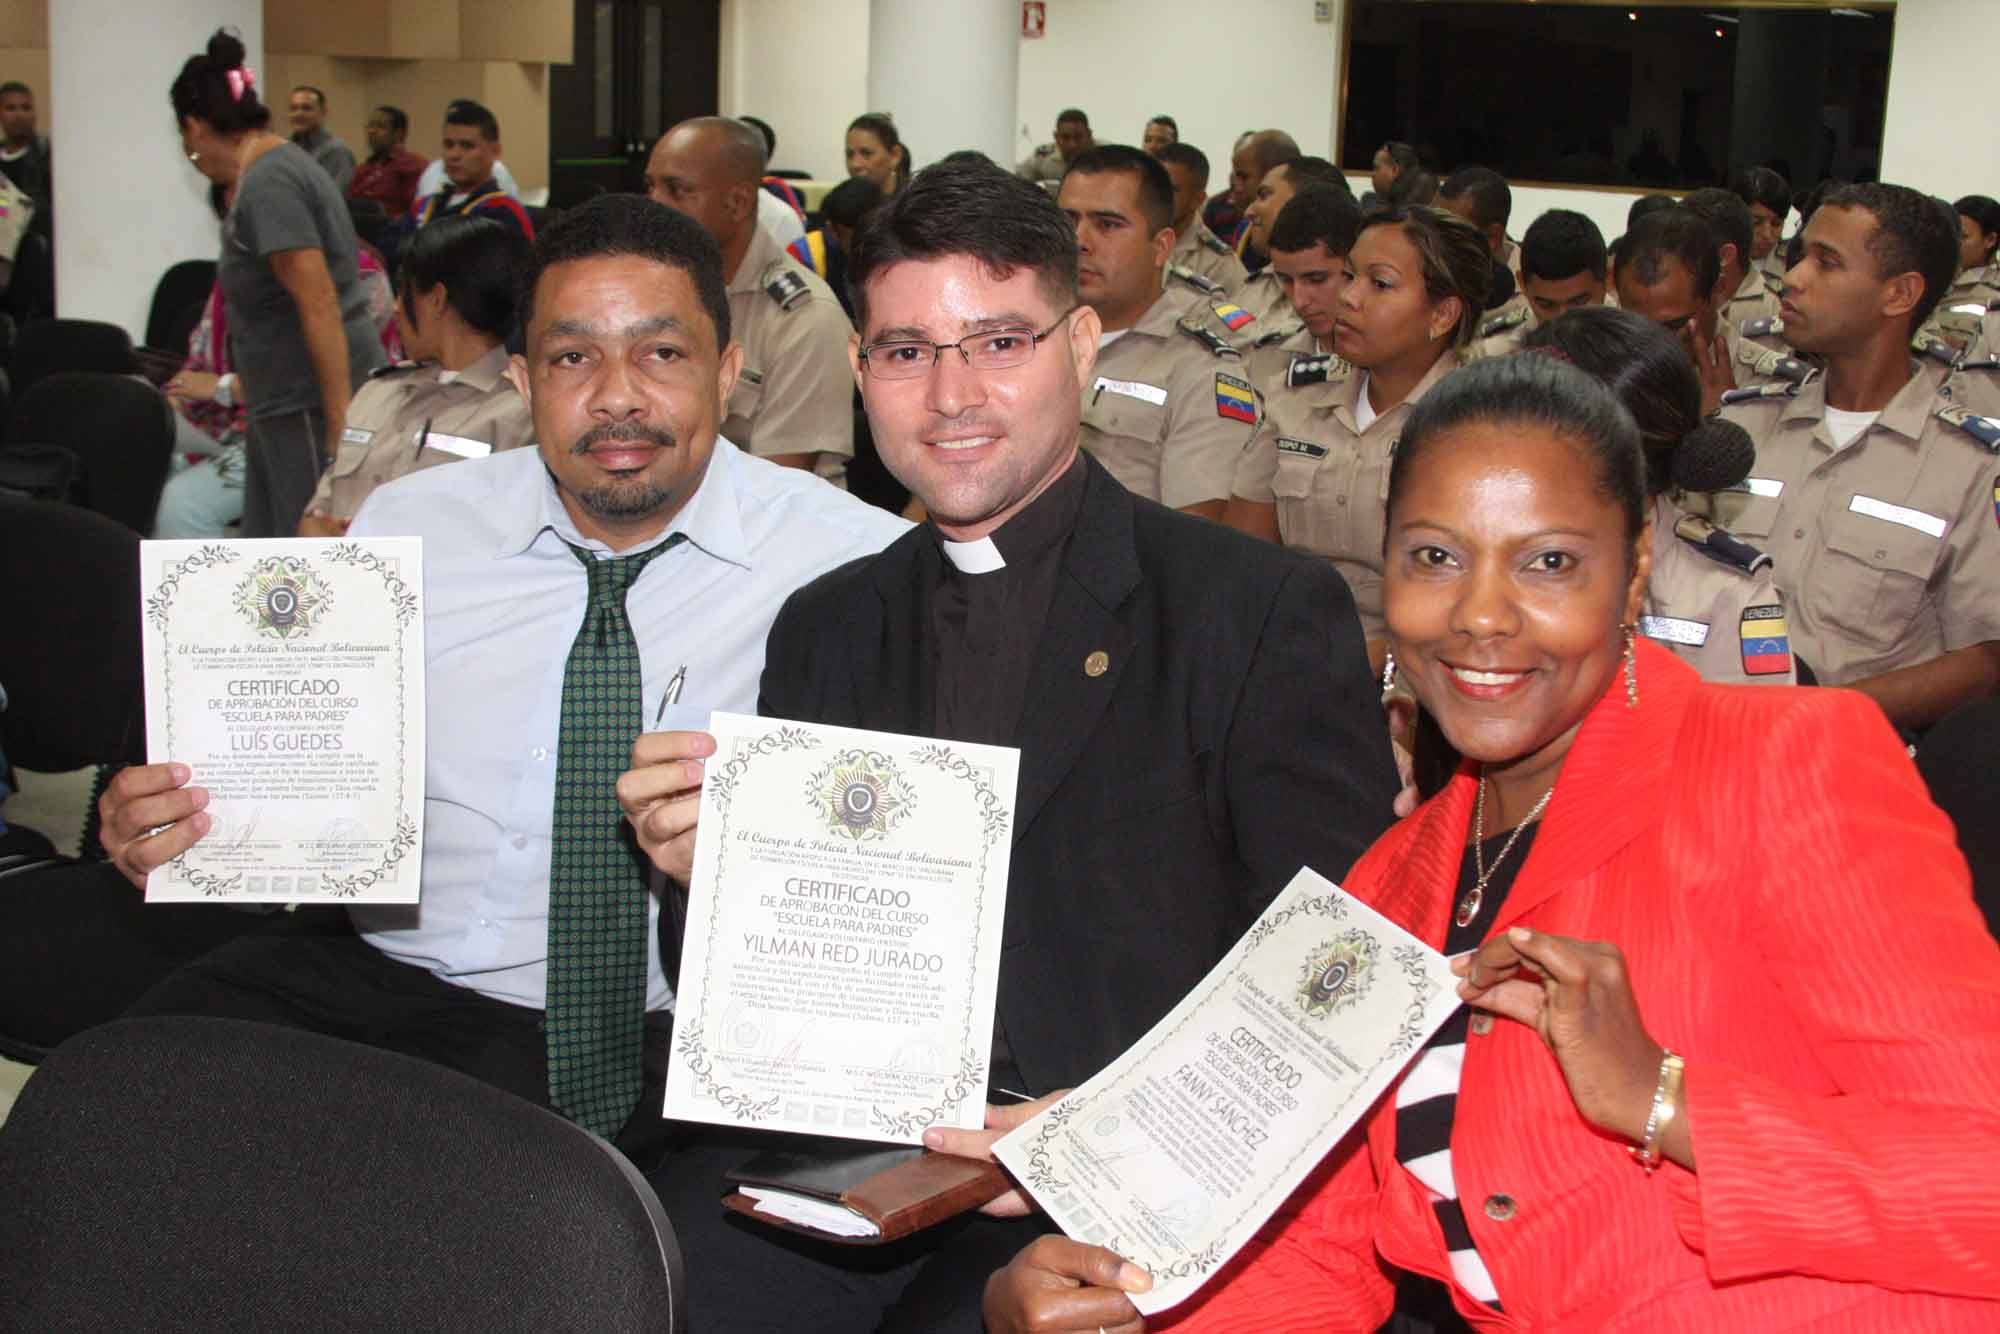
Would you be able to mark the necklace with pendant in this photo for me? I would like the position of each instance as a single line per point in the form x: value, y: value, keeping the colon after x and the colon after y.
x: 1468, y: 907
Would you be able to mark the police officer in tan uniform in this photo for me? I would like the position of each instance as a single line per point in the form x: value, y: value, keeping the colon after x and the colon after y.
x: 1711, y: 598
x: 1169, y: 408
x: 1316, y: 476
x: 1049, y: 162
x: 1309, y: 245
x: 1874, y: 483
x: 1743, y: 291
x: 454, y: 399
x: 1958, y: 320
x: 1564, y: 267
x: 1197, y: 250
x: 794, y: 401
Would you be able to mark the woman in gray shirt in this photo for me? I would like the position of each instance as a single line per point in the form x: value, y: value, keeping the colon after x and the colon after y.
x: 299, y: 332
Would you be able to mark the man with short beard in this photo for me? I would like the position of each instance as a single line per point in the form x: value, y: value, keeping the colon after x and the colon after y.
x: 629, y: 362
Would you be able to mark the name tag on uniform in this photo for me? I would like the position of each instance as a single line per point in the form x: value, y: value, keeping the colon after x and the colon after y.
x: 354, y: 435
x: 1673, y: 630
x: 1968, y: 310
x: 1929, y: 524
x: 1768, y: 487
x: 463, y: 446
x: 1133, y: 389
x: 1303, y: 448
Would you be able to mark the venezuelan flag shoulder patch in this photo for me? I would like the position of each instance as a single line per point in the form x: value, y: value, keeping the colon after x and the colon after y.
x: 1767, y: 648
x: 1234, y: 317
x: 1235, y: 399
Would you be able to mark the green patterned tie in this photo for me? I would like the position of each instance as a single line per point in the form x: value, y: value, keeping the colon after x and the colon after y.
x: 597, y: 883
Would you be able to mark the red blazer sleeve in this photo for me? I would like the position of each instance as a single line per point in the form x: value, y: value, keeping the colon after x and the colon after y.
x: 1313, y: 1267
x: 1861, y: 914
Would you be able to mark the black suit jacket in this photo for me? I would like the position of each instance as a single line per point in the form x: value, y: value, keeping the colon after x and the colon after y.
x: 1236, y: 736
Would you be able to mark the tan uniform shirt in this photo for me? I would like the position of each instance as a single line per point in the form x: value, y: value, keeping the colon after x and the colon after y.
x: 1961, y: 313
x: 1755, y: 298
x: 1262, y: 296
x: 1044, y: 164
x: 796, y: 393
x: 1168, y: 411
x: 1329, y: 479
x: 1503, y: 332
x: 1270, y: 355
x: 1201, y: 251
x: 469, y: 415
x: 1887, y: 549
x: 1726, y: 622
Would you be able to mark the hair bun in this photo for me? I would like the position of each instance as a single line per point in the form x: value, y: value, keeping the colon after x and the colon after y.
x: 226, y: 50
x: 1714, y: 456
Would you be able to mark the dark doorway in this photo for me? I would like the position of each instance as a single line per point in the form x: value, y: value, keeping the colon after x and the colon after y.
x: 640, y: 66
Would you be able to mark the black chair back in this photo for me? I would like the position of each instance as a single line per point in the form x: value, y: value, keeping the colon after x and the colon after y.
x: 120, y: 427
x: 186, y: 283
x: 70, y: 656
x: 211, y: 1174
x: 45, y: 347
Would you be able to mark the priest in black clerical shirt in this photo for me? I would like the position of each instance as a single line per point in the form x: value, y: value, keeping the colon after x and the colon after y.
x: 1194, y: 709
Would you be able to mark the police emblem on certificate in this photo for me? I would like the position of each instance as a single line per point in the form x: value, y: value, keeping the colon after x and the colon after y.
x: 843, y: 931
x: 1177, y: 1152
x: 288, y: 675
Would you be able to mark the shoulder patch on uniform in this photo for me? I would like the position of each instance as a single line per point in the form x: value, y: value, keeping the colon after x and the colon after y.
x: 783, y: 285
x: 1986, y: 430
x: 1769, y: 361
x: 1764, y: 326
x: 1235, y: 399
x: 395, y: 368
x: 1216, y: 244
x: 1313, y: 368
x: 1774, y: 283
x: 1767, y: 647
x: 1195, y: 327
x: 1233, y: 316
x: 1277, y: 333
x: 1502, y: 322
x: 1751, y: 393
x: 1720, y: 545
x: 1927, y: 344
x: 1199, y: 282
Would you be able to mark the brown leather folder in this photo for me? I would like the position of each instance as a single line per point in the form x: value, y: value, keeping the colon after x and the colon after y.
x: 900, y: 1190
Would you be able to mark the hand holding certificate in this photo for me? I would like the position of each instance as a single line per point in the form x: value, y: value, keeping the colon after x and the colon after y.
x: 1176, y: 1153
x: 288, y: 677
x: 843, y: 936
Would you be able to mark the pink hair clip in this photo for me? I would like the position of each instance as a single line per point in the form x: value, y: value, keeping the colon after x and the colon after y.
x: 241, y: 81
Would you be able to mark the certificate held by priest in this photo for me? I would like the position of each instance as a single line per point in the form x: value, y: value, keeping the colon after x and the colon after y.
x: 288, y: 675
x: 843, y: 934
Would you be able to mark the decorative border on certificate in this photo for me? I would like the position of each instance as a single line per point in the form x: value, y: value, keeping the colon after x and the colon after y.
x: 1334, y: 974
x: 859, y: 794
x: 282, y: 596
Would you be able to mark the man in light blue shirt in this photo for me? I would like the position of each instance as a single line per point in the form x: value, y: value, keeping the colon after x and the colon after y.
x: 628, y: 367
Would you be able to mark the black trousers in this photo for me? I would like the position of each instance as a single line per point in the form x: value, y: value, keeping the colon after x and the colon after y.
x: 327, y: 979
x: 744, y: 1278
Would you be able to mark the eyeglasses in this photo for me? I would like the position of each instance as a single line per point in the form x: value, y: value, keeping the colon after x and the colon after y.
x: 995, y: 350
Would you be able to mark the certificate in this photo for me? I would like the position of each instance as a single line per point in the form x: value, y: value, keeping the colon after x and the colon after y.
x: 1177, y: 1152
x: 288, y: 675
x: 843, y: 933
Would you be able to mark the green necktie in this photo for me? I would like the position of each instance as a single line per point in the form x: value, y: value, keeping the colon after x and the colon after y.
x: 597, y: 882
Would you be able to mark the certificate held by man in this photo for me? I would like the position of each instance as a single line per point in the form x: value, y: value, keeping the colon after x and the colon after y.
x: 288, y: 675
x: 843, y: 935
x: 1178, y: 1151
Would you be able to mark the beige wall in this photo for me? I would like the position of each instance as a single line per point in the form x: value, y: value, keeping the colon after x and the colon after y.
x: 24, y: 27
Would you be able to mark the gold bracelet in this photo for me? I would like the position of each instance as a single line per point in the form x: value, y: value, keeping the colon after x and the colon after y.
x: 1666, y: 1106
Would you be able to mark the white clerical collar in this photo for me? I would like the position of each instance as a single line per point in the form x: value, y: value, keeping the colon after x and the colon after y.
x: 981, y: 557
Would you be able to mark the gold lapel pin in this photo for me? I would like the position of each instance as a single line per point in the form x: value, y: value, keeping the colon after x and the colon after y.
x: 1097, y: 664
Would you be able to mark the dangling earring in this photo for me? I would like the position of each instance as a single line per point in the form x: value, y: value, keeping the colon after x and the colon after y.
x: 1631, y: 671
x: 1389, y: 672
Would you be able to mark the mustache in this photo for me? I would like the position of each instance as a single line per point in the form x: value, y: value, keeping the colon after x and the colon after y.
x: 623, y: 433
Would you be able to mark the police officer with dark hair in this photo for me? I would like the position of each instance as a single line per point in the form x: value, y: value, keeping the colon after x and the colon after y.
x: 1050, y: 161
x: 1564, y: 267
x: 1198, y: 252
x: 1743, y: 291
x: 1769, y: 198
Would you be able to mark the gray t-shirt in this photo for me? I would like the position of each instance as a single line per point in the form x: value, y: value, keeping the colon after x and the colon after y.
x: 285, y: 202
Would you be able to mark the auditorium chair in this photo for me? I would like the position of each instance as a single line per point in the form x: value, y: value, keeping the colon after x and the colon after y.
x: 186, y: 285
x: 172, y: 1173
x: 44, y: 347
x: 120, y: 428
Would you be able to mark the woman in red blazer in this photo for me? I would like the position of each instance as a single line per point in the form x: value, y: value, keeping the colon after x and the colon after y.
x: 1753, y: 880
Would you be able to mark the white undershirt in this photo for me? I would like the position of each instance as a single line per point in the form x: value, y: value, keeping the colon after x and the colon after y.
x: 1364, y: 411
x: 1110, y: 336
x: 1845, y: 426
x: 14, y: 154
x: 980, y: 557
